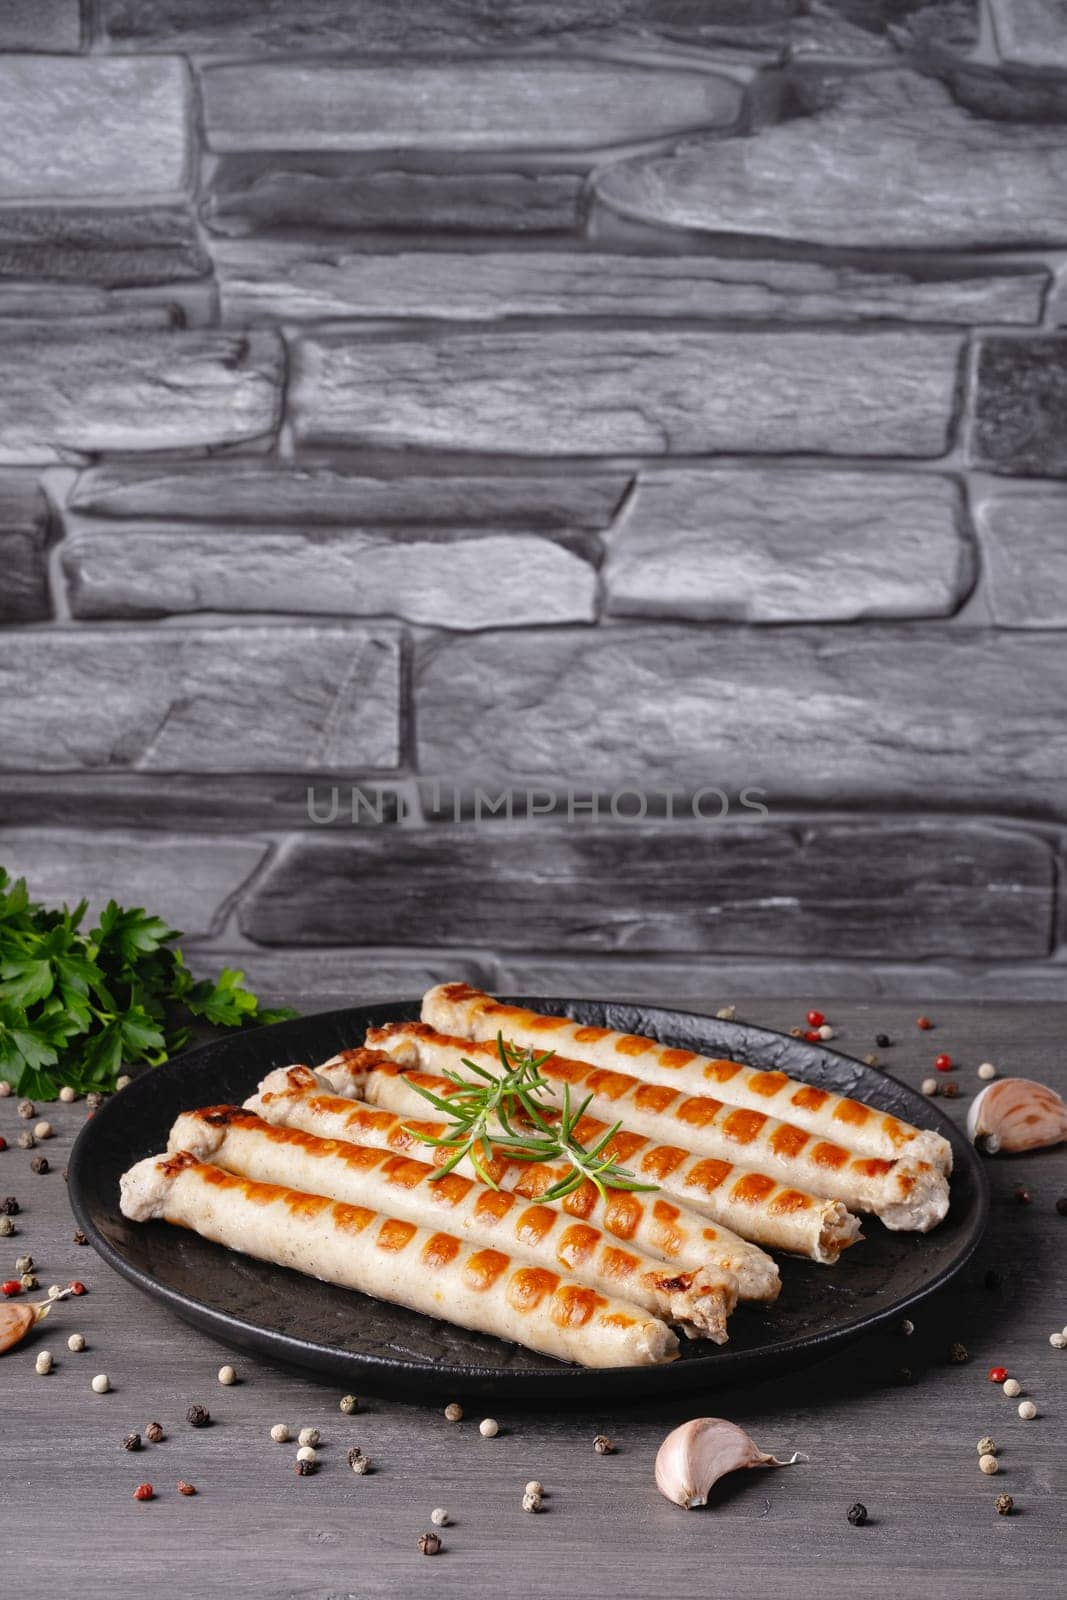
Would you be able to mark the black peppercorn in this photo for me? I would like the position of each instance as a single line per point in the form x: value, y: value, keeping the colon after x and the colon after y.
x: 154, y: 1432
x: 132, y: 1441
x: 198, y: 1416
x: 304, y: 1469
x: 857, y: 1514
x: 79, y: 1237
x: 430, y: 1544
x: 1061, y: 1206
x: 950, y: 1090
x: 9, y: 1206
x: 1005, y: 1505
x: 883, y: 1041
x: 958, y: 1353
x: 39, y: 1164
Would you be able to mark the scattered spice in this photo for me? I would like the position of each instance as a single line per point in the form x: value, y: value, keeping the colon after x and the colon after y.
x: 924, y: 1023
x: 931, y: 1086
x: 796, y: 1033
x: 94, y: 1100
x: 3, y: 1142
x: 123, y: 1080
x: 534, y: 1487
x: 958, y: 1353
x: 826, y: 1032
x: 986, y: 1446
x: 67, y: 1094
x: 439, y: 1517
x: 43, y: 1130
x: 44, y: 1363
x: 883, y: 1041
x: 227, y: 1376
x: 1061, y: 1206
x: 489, y: 1428
x: 453, y: 1413
x: 280, y: 1433
x: 39, y: 1164
x: 309, y: 1436
x: 726, y: 1013
x: 348, y: 1404
x: 987, y: 1070
x: 27, y: 1109
x: 430, y: 1544
x: 24, y: 1264
x: 29, y: 1280
x: 76, y: 1287
x: 154, y: 1433
x: 812, y: 1035
x: 54, y: 1291
x: 988, y: 1464
x: 1012, y: 1388
x: 79, y: 1237
x: 101, y: 1383
x: 76, y: 1343
x: 306, y: 1453
x: 132, y: 1441
x: 1057, y: 1340
x: 997, y: 1374
x: 9, y: 1206
x: 304, y: 1469
x: 144, y: 1491
x: 950, y: 1090
x: 198, y: 1416
x: 857, y: 1514
x: 870, y: 1060
x: 5, y: 1088
x: 532, y: 1502
x: 943, y: 1063
x: 815, y: 1019
x: 603, y: 1445
x: 7, y: 1227
x: 11, y: 1286
x: 1004, y: 1504
x: 186, y: 1488
x: 359, y: 1463
x: 26, y: 1141
x: 1028, y: 1411
x: 1023, y: 1197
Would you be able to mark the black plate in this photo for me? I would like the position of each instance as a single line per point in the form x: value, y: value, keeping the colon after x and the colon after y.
x: 370, y: 1344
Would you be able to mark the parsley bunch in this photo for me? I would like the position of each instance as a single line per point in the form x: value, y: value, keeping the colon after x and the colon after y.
x: 75, y: 1008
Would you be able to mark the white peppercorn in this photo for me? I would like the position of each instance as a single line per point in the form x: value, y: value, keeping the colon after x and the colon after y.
x: 726, y: 1013
x: 1012, y: 1388
x: 101, y: 1383
x: 439, y: 1517
x: 5, y: 1088
x: 1057, y: 1341
x: 1028, y: 1411
x: 825, y: 1031
x: 310, y: 1436
x: 988, y: 1464
x: 348, y: 1404
x: 27, y: 1109
x: 986, y: 1071
x: 43, y: 1130
x: 453, y: 1413
x: 306, y: 1453
x: 534, y: 1487
x: 76, y: 1342
x: 54, y: 1291
x: 67, y: 1094
x: 122, y: 1080
x: 7, y: 1227
x: 930, y: 1086
x: 531, y: 1502
x: 986, y: 1446
x: 488, y: 1428
x: 227, y: 1375
x: 280, y: 1433
x: 44, y: 1363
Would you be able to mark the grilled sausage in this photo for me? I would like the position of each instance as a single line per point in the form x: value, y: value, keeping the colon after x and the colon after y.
x: 428, y: 1271
x: 750, y: 1203
x: 905, y: 1194
x: 458, y: 1009
x: 698, y: 1301
x: 654, y: 1224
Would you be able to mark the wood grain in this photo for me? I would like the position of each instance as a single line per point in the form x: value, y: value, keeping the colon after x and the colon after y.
x: 255, y: 1529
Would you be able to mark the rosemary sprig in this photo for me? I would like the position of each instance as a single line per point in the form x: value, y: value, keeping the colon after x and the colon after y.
x: 475, y: 1109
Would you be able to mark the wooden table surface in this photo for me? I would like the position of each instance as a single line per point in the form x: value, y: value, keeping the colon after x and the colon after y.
x: 902, y: 1441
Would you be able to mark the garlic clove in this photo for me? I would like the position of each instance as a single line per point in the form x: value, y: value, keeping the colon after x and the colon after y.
x: 17, y: 1320
x: 696, y: 1455
x: 1014, y: 1114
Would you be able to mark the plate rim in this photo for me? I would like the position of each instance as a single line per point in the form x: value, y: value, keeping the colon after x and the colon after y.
x: 296, y: 1350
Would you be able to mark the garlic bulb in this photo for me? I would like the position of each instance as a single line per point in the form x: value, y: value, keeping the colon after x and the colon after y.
x: 695, y: 1456
x: 1017, y: 1114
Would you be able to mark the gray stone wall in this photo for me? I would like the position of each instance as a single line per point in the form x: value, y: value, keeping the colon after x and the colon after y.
x: 566, y: 495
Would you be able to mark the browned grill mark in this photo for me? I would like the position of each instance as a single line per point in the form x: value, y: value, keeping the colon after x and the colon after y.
x: 830, y: 1156
x: 808, y: 1098
x: 395, y: 1234
x: 753, y: 1188
x: 577, y: 1244
x: 743, y: 1126
x: 529, y: 1286
x: 483, y: 1268
x: 709, y: 1173
x: 662, y: 1160
x: 788, y: 1141
x: 721, y: 1071
x: 653, y: 1097
x: 622, y: 1214
x: 698, y: 1110
x: 492, y: 1205
x: 573, y: 1306
x: 767, y: 1083
x: 534, y: 1223
x: 439, y: 1250
x: 788, y: 1201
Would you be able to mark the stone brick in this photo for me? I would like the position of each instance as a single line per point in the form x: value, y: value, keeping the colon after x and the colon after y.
x: 114, y: 248
x: 283, y: 699
x: 715, y: 981
x: 488, y: 580
x: 885, y: 159
x: 24, y: 592
x: 561, y: 104
x: 64, y: 393
x: 788, y: 545
x: 1031, y: 33
x: 856, y: 889
x: 327, y: 980
x: 304, y: 281
x: 883, y: 715
x: 40, y: 25
x: 187, y: 879
x: 1024, y: 543
x: 73, y: 129
x: 1019, y: 424
x: 246, y: 491
x: 605, y: 392
x: 294, y: 195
